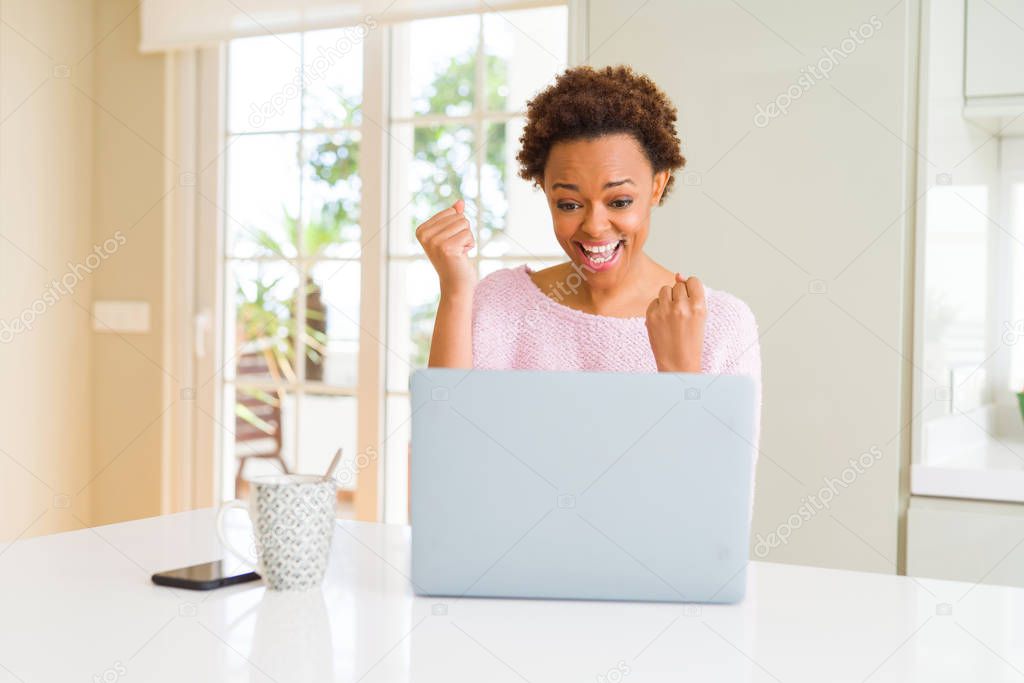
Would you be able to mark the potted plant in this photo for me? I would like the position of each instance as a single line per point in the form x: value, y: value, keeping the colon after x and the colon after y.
x: 265, y: 328
x: 263, y: 319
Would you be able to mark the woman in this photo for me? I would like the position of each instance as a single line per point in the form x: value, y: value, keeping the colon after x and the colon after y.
x: 602, y: 146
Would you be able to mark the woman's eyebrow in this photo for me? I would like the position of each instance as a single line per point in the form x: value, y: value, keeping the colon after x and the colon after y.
x: 613, y: 183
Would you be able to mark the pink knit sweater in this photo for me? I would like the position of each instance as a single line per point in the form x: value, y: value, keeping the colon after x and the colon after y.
x: 518, y: 326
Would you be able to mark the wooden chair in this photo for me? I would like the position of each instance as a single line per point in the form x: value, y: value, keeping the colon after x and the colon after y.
x: 267, y: 411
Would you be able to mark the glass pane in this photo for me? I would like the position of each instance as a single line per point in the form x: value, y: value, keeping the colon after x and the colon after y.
x: 332, y: 323
x: 439, y: 57
x: 333, y: 74
x: 431, y: 168
x: 327, y: 423
x: 262, y: 195
x: 956, y: 300
x: 398, y: 429
x: 331, y: 191
x: 1013, y: 332
x: 956, y: 290
x: 515, y: 218
x: 413, y: 293
x: 525, y: 50
x: 259, y: 429
x: 263, y: 83
x: 262, y: 346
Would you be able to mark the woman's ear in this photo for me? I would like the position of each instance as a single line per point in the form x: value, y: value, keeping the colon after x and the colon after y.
x: 660, y: 182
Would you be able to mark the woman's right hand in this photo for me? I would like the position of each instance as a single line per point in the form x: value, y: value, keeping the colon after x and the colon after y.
x: 446, y: 238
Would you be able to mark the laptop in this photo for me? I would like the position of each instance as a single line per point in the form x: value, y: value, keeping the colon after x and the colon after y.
x: 581, y: 485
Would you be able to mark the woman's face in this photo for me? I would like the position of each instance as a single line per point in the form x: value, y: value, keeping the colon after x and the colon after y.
x: 600, y: 193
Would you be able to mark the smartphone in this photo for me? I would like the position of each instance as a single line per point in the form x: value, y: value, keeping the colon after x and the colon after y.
x: 202, y: 577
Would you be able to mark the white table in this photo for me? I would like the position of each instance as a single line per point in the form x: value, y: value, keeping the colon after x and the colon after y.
x: 79, y: 606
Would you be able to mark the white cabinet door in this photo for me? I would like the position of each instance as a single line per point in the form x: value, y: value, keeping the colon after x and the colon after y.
x: 966, y: 540
x: 994, y: 51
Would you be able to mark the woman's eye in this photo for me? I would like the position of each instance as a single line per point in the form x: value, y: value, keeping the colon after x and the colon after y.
x: 616, y: 203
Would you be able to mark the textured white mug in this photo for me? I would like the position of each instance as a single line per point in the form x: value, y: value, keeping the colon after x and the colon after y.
x: 293, y: 518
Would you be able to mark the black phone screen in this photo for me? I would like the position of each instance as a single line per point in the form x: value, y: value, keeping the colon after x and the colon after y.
x: 204, y: 576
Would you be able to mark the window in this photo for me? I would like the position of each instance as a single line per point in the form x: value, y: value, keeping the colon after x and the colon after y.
x: 293, y: 267
x: 459, y: 90
x: 291, y: 262
x: 1013, y: 328
x: 956, y: 324
x: 967, y: 435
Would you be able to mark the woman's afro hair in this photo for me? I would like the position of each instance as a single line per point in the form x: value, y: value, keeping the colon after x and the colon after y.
x: 588, y: 103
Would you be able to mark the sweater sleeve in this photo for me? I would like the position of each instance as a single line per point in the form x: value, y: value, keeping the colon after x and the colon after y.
x: 749, y: 363
x: 492, y: 320
x: 746, y: 360
x: 741, y: 355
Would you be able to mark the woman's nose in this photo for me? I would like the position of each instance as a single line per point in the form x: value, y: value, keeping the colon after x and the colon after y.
x: 595, y: 221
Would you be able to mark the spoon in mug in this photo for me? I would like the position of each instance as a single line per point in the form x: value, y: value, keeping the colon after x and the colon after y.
x: 333, y: 466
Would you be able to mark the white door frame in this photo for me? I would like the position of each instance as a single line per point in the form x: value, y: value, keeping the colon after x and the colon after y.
x: 195, y: 436
x: 192, y: 287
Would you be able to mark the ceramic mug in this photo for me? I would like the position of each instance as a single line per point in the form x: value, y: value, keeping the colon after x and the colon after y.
x: 293, y: 518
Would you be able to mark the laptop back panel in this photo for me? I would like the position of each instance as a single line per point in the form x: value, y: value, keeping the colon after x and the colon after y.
x: 581, y: 485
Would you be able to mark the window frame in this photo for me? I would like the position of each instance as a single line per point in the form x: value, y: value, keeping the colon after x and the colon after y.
x: 479, y: 118
x: 204, y: 335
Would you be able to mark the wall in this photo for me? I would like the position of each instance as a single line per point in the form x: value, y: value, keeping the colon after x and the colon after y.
x: 129, y: 195
x: 81, y: 198
x: 46, y: 151
x: 802, y: 215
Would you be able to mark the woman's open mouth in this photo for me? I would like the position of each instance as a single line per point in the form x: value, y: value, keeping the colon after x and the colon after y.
x: 600, y: 255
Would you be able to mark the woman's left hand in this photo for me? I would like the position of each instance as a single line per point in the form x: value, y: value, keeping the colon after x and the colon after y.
x: 675, y: 325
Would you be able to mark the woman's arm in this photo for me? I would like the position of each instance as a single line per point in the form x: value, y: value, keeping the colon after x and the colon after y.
x: 447, y: 239
x: 451, y: 345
